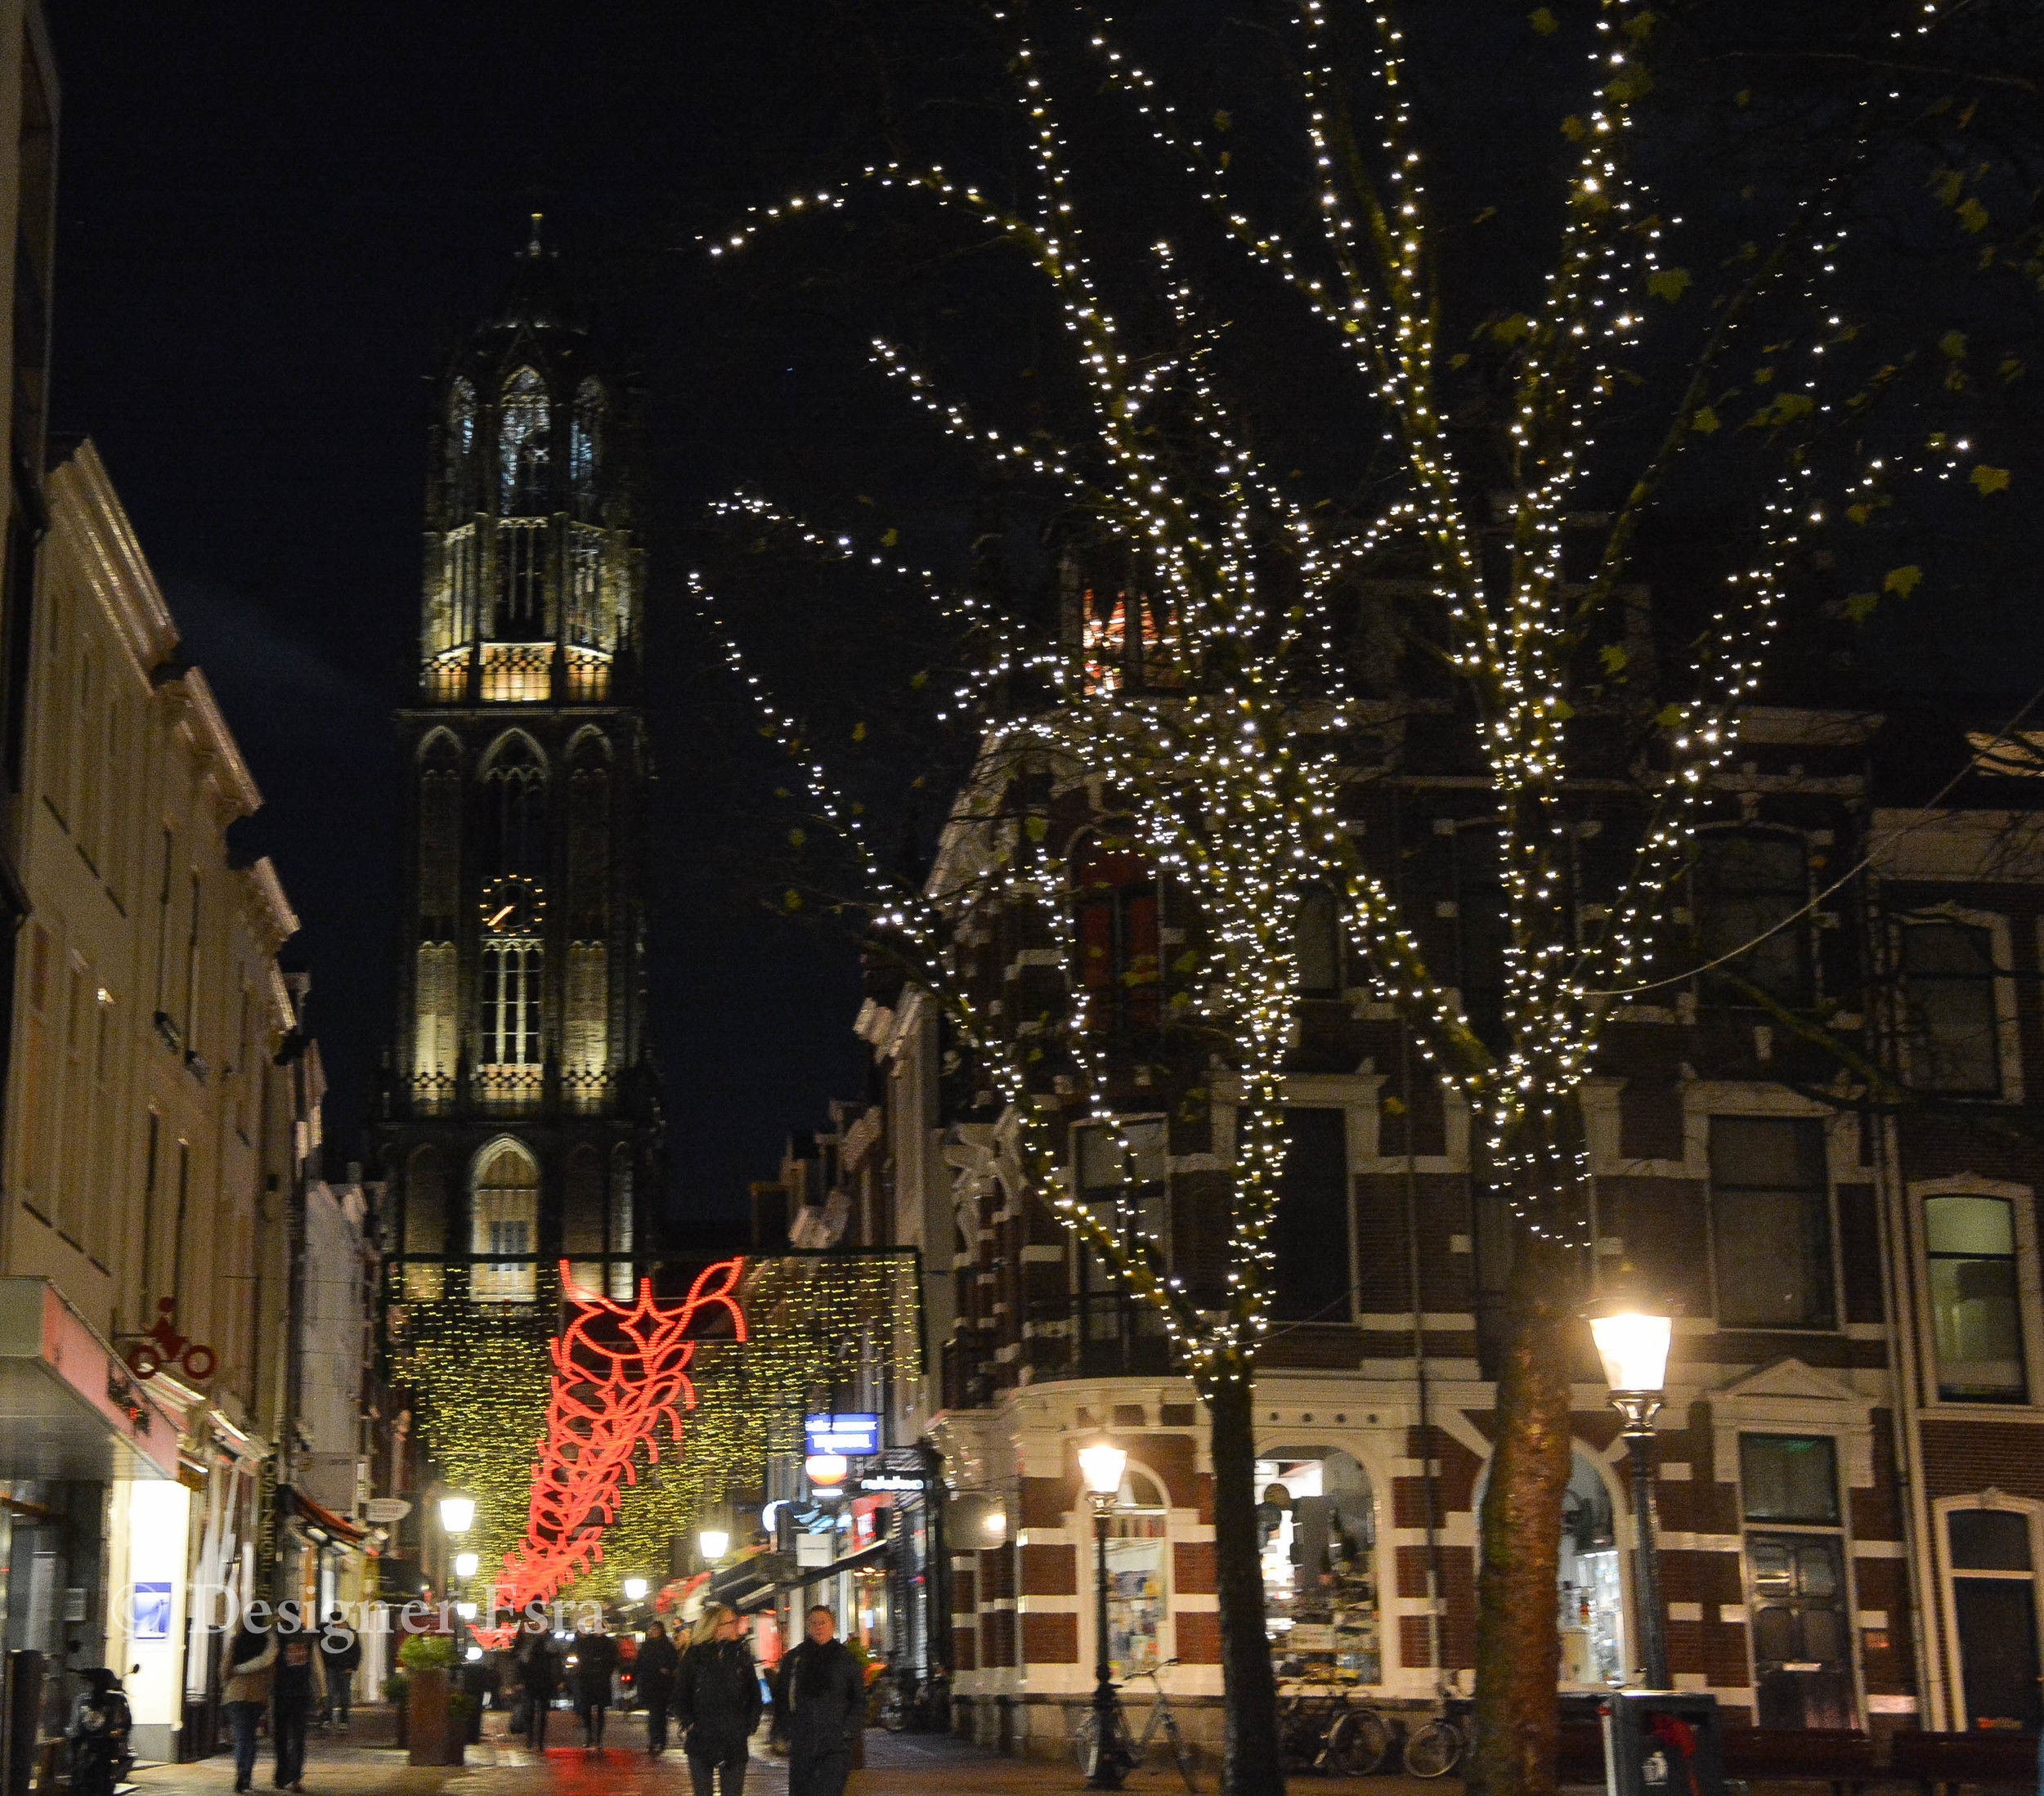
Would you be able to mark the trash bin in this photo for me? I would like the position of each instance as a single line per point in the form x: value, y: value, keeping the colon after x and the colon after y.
x: 1663, y: 1743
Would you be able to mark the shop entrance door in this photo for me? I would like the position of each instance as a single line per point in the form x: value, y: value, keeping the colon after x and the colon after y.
x: 1802, y: 1648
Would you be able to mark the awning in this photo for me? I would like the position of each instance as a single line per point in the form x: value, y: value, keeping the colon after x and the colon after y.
x: 69, y: 1407
x: 865, y: 1558
x: 323, y: 1524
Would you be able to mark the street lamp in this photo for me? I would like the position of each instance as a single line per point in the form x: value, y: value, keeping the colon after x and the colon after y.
x: 457, y: 1514
x: 635, y: 1589
x: 714, y: 1543
x: 1632, y: 1339
x: 1102, y: 1465
x: 466, y: 1564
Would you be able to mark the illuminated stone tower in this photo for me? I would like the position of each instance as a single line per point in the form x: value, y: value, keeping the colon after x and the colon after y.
x: 521, y: 1122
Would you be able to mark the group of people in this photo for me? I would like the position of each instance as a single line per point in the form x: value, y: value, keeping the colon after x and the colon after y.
x: 709, y: 1690
x: 289, y: 1672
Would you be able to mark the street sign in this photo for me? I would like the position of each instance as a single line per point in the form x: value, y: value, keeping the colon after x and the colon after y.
x: 851, y: 1434
x: 381, y: 1509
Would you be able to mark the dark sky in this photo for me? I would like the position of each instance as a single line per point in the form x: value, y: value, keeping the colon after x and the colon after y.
x: 269, y: 223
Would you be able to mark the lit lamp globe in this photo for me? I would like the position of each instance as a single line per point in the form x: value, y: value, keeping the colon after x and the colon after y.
x: 1101, y: 1466
x: 826, y: 1469
x: 466, y: 1564
x: 635, y: 1589
x: 714, y: 1543
x: 1632, y: 1342
x: 457, y: 1514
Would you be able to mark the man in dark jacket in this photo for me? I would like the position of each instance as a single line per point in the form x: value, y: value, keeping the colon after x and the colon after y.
x: 595, y: 1663
x: 819, y: 1702
x: 340, y: 1658
x: 717, y: 1702
x: 291, y: 1703
x: 653, y: 1673
x: 541, y: 1678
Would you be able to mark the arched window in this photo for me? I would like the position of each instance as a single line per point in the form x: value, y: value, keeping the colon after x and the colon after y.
x: 504, y: 1223
x: 439, y: 836
x: 522, y: 446
x: 514, y: 782
x: 1139, y: 1587
x: 461, y: 448
x: 589, y: 837
x: 585, y: 448
x: 1118, y: 940
x: 425, y: 1225
x: 1991, y: 1550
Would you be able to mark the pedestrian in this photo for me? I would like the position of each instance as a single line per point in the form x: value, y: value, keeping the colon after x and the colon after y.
x: 540, y: 1678
x: 340, y: 1658
x: 291, y: 1692
x: 820, y: 1700
x: 717, y: 1702
x: 655, y: 1666
x: 244, y: 1691
x: 595, y: 1659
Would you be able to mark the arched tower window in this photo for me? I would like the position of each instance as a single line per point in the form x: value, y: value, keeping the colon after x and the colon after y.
x: 522, y: 446
x: 585, y: 448
x: 505, y: 1225
x: 439, y: 836
x: 515, y: 782
x: 425, y: 1224
x: 461, y: 448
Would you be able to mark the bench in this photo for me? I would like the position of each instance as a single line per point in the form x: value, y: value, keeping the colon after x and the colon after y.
x: 1841, y: 1757
x: 1991, y: 1756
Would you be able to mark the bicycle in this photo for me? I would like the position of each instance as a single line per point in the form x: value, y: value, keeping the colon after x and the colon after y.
x: 1326, y: 1732
x: 1436, y: 1747
x: 1135, y: 1752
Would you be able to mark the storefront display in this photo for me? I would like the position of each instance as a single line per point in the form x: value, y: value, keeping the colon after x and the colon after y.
x: 1317, y: 1523
x: 1591, y: 1607
x: 1135, y: 1550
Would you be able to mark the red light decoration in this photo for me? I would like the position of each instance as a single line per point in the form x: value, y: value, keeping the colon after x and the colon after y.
x: 619, y: 1369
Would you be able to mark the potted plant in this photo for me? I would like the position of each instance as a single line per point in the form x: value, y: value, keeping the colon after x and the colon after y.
x: 436, y: 1736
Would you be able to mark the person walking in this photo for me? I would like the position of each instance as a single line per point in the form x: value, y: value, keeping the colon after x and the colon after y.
x: 245, y: 1692
x: 716, y: 1701
x: 540, y: 1677
x: 340, y: 1658
x: 595, y: 1661
x: 654, y: 1681
x: 819, y: 1700
x: 291, y: 1694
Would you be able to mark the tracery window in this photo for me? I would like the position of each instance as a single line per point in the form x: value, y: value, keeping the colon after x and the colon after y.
x: 515, y: 783
x: 461, y: 448
x: 522, y: 446
x: 585, y: 448
x: 504, y: 1221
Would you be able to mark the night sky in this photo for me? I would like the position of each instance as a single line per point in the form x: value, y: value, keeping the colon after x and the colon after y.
x: 271, y: 225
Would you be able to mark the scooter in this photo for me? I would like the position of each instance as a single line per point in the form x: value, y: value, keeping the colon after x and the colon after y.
x: 100, y: 1725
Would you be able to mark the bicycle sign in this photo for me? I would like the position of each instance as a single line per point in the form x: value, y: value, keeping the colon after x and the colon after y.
x: 163, y: 1347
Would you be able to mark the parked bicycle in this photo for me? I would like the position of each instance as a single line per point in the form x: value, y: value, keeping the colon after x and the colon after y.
x: 909, y: 1703
x: 1134, y: 1750
x: 1435, y: 1748
x: 1320, y: 1730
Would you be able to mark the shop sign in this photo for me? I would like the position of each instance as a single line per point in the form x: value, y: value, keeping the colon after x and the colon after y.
x: 1311, y: 1637
x: 889, y: 1481
x: 851, y: 1435
x: 381, y: 1511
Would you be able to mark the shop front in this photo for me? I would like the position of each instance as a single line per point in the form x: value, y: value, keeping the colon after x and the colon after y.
x: 1316, y: 1523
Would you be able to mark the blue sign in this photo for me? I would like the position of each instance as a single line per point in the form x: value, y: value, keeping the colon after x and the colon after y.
x: 850, y: 1436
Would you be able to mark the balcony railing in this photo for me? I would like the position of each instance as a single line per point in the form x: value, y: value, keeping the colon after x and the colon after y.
x: 1100, y: 1336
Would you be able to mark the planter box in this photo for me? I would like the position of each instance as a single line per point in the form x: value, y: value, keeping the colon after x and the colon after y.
x: 434, y: 1736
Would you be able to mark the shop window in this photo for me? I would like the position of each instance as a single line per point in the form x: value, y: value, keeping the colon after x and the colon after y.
x: 1748, y: 888
x: 1316, y: 941
x: 1138, y: 1589
x: 1317, y: 1522
x: 1771, y: 1223
x: 1309, y: 1234
x: 1975, y: 1305
x: 1117, y: 939
x: 1953, y: 1017
x: 1592, y: 1591
x: 1789, y: 1478
x: 1994, y: 1606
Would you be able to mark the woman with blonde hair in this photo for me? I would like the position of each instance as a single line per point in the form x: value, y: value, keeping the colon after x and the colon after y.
x: 717, y: 1702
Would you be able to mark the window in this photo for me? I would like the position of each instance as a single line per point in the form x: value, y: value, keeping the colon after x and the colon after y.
x: 585, y: 448
x: 622, y: 1233
x: 1949, y: 996
x: 511, y: 997
x: 1975, y: 1308
x: 1137, y: 1605
x: 425, y: 1223
x: 506, y: 1225
x: 515, y: 793
x: 522, y: 446
x: 1789, y: 1478
x: 1994, y: 1604
x: 1771, y: 1223
x: 1309, y: 1234
x: 1745, y: 883
x: 1118, y: 939
x: 461, y: 447
x: 439, y: 836
x: 1316, y: 941
x: 1122, y: 1178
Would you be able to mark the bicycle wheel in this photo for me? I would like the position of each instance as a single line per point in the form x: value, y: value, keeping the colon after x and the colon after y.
x: 1083, y: 1735
x: 1181, y: 1752
x: 1434, y: 1750
x: 1358, y: 1742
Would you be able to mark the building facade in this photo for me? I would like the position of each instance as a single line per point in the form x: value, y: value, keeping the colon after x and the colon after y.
x: 1848, y: 1465
x: 521, y: 1123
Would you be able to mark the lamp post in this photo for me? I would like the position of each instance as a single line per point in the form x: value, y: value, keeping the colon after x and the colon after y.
x: 714, y: 1543
x: 1632, y: 1339
x: 1102, y: 1465
x: 457, y: 1517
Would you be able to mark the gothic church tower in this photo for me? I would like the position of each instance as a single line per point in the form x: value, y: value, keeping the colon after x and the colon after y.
x: 520, y: 1122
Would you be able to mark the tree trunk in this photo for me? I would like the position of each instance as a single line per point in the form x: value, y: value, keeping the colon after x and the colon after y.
x: 1518, y: 1639
x: 1249, y: 1762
